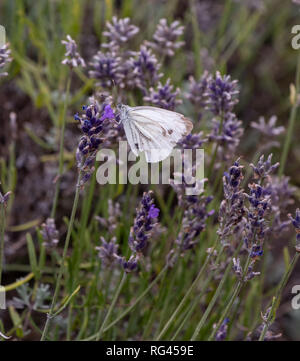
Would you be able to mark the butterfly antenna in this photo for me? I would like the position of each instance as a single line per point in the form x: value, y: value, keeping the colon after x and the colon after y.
x: 114, y: 93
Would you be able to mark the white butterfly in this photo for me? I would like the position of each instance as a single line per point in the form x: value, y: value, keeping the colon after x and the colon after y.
x: 153, y: 130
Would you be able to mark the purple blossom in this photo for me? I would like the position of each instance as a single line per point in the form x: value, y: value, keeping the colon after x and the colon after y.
x: 50, y: 233
x: 256, y: 251
x: 296, y: 224
x: 268, y: 129
x: 5, y: 58
x: 238, y: 270
x: 93, y: 124
x: 194, y: 220
x: 222, y: 331
x: 108, y: 113
x: 72, y: 57
x: 111, y: 222
x: 145, y: 69
x: 197, y: 94
x: 281, y: 193
x: 153, y: 211
x: 4, y: 197
x: 222, y: 94
x: 106, y: 69
x: 130, y: 265
x: 163, y: 96
x: 144, y: 223
x: 192, y: 141
x: 107, y: 251
x: 264, y: 168
x: 166, y: 37
x: 228, y: 132
x: 232, y: 208
x: 255, y: 229
x: 119, y: 32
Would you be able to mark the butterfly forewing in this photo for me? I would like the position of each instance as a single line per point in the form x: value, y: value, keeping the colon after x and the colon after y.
x: 155, y: 131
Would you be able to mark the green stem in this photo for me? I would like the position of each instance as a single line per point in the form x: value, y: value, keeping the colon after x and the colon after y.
x: 112, y: 305
x: 235, y: 294
x: 62, y: 266
x: 196, y: 38
x: 2, y: 239
x: 61, y: 149
x: 213, y: 159
x: 292, y: 119
x: 213, y: 300
x: 131, y: 307
x: 276, y: 299
x: 186, y: 296
x: 198, y: 298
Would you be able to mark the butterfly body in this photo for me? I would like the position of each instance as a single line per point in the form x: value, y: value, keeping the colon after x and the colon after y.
x: 153, y: 130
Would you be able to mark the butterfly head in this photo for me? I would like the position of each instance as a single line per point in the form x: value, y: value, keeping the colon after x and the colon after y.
x: 122, y: 111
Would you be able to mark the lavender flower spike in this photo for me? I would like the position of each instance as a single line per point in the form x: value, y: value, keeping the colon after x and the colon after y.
x: 72, y: 57
x: 268, y: 128
x: 93, y: 123
x: 107, y: 251
x: 164, y: 96
x: 197, y: 92
x: 222, y: 94
x: 166, y: 37
x: 4, y: 198
x: 4, y: 58
x: 222, y: 331
x: 144, y: 222
x: 145, y: 69
x: 232, y: 208
x: 296, y: 224
x: 130, y: 265
x: 264, y: 168
x: 106, y: 69
x: 119, y: 31
x: 50, y: 233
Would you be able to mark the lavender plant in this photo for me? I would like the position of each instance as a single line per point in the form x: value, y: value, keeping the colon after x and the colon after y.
x: 203, y: 271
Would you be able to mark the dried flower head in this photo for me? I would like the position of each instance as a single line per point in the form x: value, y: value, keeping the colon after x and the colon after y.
x: 72, y: 57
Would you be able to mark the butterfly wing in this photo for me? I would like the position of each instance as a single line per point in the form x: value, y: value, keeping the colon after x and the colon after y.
x: 155, y: 131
